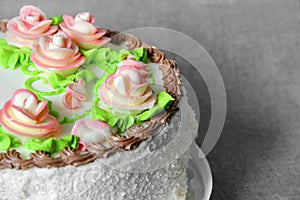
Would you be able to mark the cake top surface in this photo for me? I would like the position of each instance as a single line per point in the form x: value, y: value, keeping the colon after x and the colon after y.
x: 73, y: 92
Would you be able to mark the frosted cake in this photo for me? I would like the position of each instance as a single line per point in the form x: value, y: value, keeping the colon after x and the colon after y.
x: 89, y: 113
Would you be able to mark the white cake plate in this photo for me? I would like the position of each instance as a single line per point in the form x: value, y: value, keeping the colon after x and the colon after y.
x: 199, y: 176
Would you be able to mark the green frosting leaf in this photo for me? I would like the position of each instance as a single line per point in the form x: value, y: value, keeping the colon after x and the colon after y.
x: 12, y: 56
x: 28, y: 85
x: 12, y: 61
x: 163, y: 101
x: 56, y: 20
x: 75, y: 118
x: 6, y: 140
x: 52, y: 112
x: 122, y: 122
x: 86, y: 75
x: 89, y: 55
x: 108, y: 59
x: 140, y: 54
x: 58, y: 81
x: 25, y: 70
x: 52, y: 145
x: 151, y: 77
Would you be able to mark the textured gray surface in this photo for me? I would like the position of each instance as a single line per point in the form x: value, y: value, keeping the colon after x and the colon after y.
x: 255, y: 44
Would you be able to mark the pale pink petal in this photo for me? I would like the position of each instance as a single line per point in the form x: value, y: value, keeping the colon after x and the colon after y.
x: 19, y: 25
x: 19, y: 113
x: 92, y: 44
x: 70, y: 101
x: 40, y: 108
x: 42, y: 113
x: 127, y: 69
x: 81, y: 36
x: 40, y: 28
x: 51, y: 30
x: 84, y: 27
x: 30, y: 104
x: 20, y: 97
x: 77, y: 90
x: 47, y: 61
x: 134, y: 63
x: 68, y: 20
x: 42, y: 50
x: 61, y: 66
x: 91, y: 132
x: 120, y: 84
x: 31, y: 11
x: 13, y: 28
x: 92, y: 18
x: 137, y: 90
x: 137, y: 100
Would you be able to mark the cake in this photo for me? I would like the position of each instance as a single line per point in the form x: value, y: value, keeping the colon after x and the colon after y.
x: 89, y: 113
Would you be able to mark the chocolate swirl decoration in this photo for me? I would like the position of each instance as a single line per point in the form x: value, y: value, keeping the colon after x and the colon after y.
x: 135, y: 134
x: 3, y: 23
x: 76, y: 157
x: 117, y: 38
x: 125, y: 143
x: 170, y: 75
x: 100, y: 151
x: 13, y: 159
x: 156, y: 55
x: 42, y: 159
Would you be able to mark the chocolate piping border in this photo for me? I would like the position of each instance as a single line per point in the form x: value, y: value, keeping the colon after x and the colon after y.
x: 136, y: 134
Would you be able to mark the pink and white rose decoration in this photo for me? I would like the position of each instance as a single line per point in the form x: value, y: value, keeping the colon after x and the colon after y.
x: 91, y: 132
x: 53, y: 49
x: 75, y: 94
x: 83, y: 32
x: 127, y: 91
x: 29, y: 26
x: 57, y: 53
x: 26, y: 115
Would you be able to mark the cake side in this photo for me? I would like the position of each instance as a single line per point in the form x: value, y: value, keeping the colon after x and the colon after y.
x: 97, y: 180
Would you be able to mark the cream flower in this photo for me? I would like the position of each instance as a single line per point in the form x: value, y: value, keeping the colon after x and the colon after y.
x: 57, y: 53
x: 26, y: 115
x: 75, y: 93
x: 83, y: 32
x: 91, y: 132
x: 29, y: 26
x: 127, y: 90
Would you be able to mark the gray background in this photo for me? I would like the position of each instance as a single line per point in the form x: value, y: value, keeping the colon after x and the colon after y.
x: 255, y: 44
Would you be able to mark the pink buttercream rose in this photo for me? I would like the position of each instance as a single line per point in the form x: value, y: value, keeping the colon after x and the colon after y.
x: 57, y: 53
x: 29, y: 26
x: 75, y: 94
x: 26, y: 115
x: 127, y: 90
x: 91, y: 132
x: 83, y: 32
